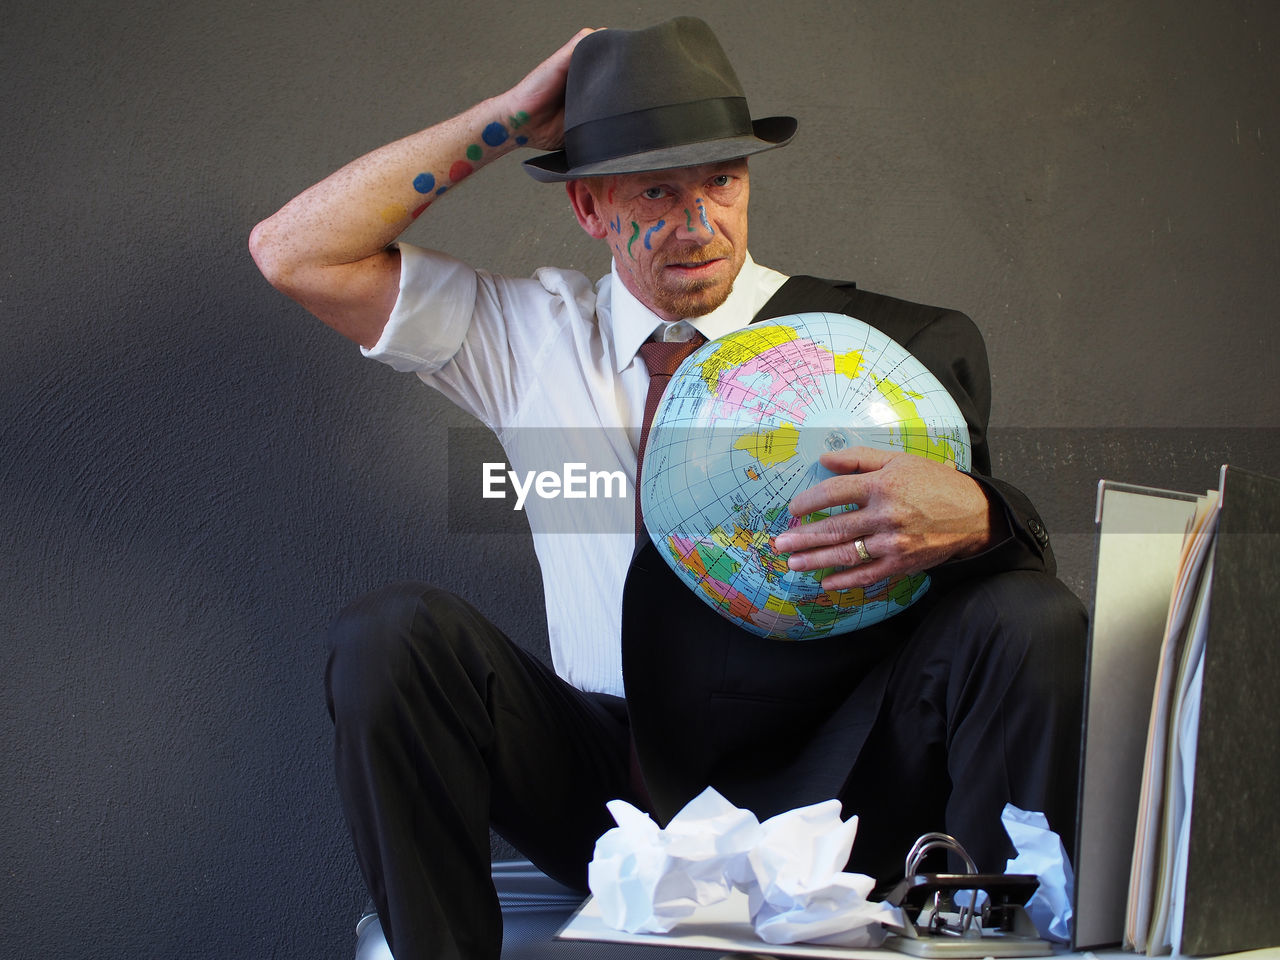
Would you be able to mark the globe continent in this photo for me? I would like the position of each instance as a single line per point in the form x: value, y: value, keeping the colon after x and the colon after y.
x: 738, y: 434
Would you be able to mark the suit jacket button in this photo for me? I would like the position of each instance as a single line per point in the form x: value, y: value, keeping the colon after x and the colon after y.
x: 1038, y: 531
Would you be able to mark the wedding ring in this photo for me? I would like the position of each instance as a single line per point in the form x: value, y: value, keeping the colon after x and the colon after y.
x: 861, y: 547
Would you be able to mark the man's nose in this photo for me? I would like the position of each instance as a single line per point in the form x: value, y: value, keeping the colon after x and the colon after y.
x: 694, y: 222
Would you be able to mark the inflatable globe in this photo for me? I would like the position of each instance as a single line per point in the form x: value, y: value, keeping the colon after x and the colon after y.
x: 738, y: 433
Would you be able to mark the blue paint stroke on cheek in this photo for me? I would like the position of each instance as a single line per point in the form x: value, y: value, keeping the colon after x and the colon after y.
x: 702, y: 215
x: 651, y: 231
x: 616, y: 224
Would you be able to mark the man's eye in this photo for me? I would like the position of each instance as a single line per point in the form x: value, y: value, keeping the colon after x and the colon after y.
x: 654, y: 193
x: 721, y: 181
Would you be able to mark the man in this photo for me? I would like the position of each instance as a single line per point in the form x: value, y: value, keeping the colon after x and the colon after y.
x: 930, y: 720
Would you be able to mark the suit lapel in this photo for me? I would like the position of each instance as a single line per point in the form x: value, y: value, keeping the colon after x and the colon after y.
x: 804, y: 294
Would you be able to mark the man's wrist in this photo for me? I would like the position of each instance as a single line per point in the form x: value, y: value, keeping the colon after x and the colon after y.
x: 993, y: 528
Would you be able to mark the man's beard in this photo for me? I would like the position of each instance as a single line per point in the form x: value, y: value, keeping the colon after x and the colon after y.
x: 694, y: 297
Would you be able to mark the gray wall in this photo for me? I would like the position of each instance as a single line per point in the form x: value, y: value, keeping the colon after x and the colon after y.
x: 196, y: 475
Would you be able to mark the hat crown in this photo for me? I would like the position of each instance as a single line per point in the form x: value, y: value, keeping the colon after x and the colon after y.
x: 654, y: 99
x: 615, y: 72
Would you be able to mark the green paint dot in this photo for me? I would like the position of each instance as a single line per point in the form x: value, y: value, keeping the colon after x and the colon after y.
x: 474, y: 152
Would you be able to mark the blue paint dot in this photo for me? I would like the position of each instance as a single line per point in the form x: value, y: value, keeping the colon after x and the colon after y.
x: 441, y: 190
x: 494, y: 134
x: 521, y: 141
x: 424, y: 183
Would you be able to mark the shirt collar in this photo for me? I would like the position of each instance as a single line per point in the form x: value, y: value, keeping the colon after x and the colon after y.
x: 631, y: 323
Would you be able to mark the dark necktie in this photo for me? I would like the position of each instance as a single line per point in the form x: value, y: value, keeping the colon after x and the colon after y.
x: 661, y: 357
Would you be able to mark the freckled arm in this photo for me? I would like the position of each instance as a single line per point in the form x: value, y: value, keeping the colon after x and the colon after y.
x: 328, y: 247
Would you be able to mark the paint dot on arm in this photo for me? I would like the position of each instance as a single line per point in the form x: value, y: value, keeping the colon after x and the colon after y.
x: 424, y: 183
x: 460, y: 171
x: 392, y: 213
x: 495, y: 134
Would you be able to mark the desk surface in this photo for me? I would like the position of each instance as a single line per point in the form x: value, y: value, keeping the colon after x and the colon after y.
x: 724, y: 928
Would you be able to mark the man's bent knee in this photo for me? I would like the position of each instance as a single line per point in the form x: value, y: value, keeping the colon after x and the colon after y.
x: 376, y: 638
x: 1017, y: 609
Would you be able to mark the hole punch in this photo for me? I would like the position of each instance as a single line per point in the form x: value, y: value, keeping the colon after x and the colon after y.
x: 962, y: 915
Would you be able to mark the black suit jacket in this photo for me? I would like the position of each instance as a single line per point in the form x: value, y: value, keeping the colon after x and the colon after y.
x: 776, y: 725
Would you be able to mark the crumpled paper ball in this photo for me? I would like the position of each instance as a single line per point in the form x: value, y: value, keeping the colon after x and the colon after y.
x: 647, y: 879
x: 1041, y: 853
x: 801, y: 893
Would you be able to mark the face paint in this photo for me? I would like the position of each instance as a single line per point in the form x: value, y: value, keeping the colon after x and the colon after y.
x: 674, y: 273
x: 702, y: 214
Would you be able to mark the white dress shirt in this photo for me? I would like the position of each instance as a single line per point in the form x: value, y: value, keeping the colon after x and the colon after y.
x: 550, y: 364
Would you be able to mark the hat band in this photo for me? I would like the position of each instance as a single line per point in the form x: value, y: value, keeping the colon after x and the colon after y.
x: 657, y: 128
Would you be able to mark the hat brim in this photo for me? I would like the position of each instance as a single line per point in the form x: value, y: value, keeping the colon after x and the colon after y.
x: 769, y: 132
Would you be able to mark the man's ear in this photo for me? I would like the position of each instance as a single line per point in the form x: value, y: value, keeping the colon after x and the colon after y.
x: 583, y: 202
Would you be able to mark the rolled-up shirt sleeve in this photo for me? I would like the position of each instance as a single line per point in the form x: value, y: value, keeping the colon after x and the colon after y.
x: 436, y: 287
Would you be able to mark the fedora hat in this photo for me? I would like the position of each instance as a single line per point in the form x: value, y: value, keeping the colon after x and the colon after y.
x: 653, y: 99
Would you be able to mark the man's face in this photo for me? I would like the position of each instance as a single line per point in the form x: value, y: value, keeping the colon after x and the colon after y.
x: 679, y: 237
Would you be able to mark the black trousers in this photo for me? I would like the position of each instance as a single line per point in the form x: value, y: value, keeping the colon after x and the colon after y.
x: 443, y: 727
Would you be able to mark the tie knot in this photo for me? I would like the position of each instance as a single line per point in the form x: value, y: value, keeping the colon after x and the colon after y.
x: 663, y: 357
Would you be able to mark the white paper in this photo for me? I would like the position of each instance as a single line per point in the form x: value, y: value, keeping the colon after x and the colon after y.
x: 1040, y: 852
x: 647, y: 879
x: 800, y: 893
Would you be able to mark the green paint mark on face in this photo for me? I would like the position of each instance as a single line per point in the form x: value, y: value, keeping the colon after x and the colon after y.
x: 474, y: 152
x: 688, y: 220
x: 519, y: 120
x: 635, y: 227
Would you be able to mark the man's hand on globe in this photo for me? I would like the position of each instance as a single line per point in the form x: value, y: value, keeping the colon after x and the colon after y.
x: 913, y: 514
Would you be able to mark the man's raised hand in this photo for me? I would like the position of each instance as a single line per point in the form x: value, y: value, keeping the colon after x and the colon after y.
x: 537, y: 102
